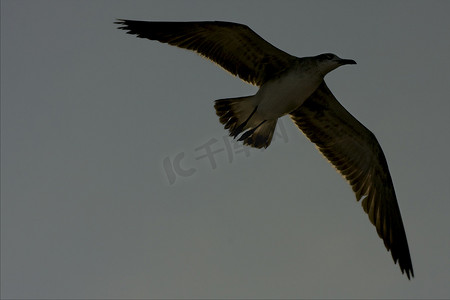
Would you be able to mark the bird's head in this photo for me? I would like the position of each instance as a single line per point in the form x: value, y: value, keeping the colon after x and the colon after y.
x: 327, y: 62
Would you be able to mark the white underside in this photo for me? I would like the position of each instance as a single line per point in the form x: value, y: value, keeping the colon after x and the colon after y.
x: 281, y: 96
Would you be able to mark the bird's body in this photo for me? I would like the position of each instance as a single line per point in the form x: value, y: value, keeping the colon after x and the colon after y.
x: 294, y: 86
x: 279, y: 96
x: 275, y: 98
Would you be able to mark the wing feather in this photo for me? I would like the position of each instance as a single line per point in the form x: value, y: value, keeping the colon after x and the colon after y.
x: 235, y: 47
x: 356, y: 154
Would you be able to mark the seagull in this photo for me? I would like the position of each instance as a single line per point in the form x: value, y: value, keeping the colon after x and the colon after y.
x: 294, y: 86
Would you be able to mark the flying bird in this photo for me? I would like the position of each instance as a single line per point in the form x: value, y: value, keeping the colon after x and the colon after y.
x: 295, y: 86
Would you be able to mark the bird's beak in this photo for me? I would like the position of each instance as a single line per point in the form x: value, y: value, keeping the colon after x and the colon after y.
x: 347, y: 62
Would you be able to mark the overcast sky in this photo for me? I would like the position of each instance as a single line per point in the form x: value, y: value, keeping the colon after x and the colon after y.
x: 106, y: 191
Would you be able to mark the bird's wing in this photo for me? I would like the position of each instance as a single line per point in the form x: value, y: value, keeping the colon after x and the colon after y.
x: 235, y: 47
x: 356, y: 154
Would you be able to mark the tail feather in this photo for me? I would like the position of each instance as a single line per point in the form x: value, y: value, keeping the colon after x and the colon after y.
x: 234, y: 113
x: 262, y: 136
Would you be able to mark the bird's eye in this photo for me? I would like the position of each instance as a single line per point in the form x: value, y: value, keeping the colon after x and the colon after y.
x: 329, y: 56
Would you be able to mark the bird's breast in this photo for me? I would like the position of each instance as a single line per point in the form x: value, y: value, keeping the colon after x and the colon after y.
x: 280, y: 96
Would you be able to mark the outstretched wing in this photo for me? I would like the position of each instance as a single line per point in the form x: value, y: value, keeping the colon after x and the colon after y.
x: 235, y: 47
x: 357, y: 155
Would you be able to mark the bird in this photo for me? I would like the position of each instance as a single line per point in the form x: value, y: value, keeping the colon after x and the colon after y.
x: 294, y: 86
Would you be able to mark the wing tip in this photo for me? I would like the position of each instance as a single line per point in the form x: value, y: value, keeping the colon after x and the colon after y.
x: 409, y: 272
x: 408, y: 269
x: 120, y: 21
x: 404, y: 263
x: 123, y: 24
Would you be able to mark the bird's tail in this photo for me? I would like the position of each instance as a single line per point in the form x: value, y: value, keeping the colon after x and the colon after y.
x: 239, y: 115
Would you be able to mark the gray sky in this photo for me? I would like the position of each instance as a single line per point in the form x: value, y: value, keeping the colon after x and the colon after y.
x: 92, y: 120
